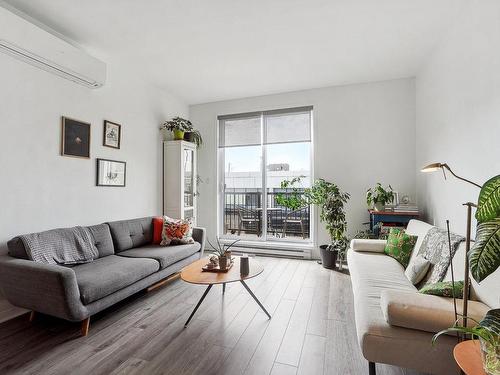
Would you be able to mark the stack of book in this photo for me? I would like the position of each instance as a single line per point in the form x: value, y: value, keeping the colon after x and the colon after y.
x: 406, y: 208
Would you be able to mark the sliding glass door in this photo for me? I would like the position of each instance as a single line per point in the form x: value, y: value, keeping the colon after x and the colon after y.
x: 257, y: 151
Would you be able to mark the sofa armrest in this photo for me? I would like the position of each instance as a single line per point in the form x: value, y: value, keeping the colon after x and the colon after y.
x: 425, y: 312
x: 366, y: 245
x: 45, y: 288
x: 200, y: 235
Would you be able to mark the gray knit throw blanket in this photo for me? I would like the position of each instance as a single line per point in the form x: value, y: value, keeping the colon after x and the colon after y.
x: 61, y: 246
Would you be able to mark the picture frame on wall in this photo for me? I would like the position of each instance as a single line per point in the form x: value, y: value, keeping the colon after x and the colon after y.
x: 112, y: 134
x: 75, y: 140
x: 111, y: 173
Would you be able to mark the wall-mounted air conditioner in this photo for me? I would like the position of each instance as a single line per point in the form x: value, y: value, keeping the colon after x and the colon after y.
x: 36, y: 46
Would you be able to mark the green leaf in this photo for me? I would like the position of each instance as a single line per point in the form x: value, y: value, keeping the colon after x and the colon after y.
x: 491, y: 321
x: 489, y: 200
x: 484, y: 257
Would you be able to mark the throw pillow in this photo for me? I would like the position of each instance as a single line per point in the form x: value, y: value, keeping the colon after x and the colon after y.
x: 157, y: 229
x: 417, y: 269
x: 177, y: 232
x: 435, y: 247
x: 444, y: 289
x: 400, y: 245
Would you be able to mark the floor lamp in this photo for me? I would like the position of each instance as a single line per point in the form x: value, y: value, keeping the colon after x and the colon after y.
x: 442, y: 166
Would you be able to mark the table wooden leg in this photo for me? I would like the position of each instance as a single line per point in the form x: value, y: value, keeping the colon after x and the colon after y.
x: 198, y: 304
x: 223, y: 288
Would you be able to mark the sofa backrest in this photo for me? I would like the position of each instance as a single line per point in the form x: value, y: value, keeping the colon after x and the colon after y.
x: 128, y: 234
x: 100, y: 232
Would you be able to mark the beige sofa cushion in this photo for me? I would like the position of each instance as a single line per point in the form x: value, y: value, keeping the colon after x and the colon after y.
x: 425, y: 312
x: 366, y: 245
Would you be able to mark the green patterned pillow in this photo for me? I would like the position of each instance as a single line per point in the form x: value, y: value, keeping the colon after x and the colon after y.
x: 400, y: 245
x: 444, y: 289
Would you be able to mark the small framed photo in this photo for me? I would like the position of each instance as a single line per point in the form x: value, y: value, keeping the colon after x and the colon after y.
x: 111, y: 173
x: 75, y: 140
x: 112, y: 134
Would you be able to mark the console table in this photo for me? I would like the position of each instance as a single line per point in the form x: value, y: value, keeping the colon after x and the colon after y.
x: 397, y: 217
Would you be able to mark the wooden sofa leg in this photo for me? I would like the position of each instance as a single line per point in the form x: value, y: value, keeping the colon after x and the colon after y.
x: 32, y: 316
x: 85, y: 326
x: 371, y: 368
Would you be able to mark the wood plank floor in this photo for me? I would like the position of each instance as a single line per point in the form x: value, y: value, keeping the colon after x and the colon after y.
x: 311, y: 332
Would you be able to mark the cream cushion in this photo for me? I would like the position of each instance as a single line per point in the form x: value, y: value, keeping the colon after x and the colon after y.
x: 425, y: 312
x: 416, y: 271
x: 374, y: 246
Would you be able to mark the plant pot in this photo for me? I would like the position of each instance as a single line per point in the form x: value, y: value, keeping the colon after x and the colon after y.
x: 328, y: 257
x: 378, y: 207
x: 223, y: 263
x: 490, y: 357
x: 178, y: 135
x: 188, y: 136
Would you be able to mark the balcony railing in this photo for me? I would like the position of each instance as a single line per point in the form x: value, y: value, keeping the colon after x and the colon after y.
x: 243, y: 215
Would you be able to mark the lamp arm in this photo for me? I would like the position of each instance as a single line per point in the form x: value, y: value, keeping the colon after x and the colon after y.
x: 460, y: 178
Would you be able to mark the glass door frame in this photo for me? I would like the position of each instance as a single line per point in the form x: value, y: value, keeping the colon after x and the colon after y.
x: 220, y: 153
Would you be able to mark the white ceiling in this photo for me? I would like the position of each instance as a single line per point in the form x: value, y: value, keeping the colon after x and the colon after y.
x: 208, y: 50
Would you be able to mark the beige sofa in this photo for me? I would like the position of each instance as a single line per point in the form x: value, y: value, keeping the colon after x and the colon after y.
x: 394, y: 322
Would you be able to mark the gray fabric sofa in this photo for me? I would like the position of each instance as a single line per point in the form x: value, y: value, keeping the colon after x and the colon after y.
x: 128, y: 262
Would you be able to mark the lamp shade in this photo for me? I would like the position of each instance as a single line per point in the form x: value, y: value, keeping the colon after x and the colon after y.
x: 432, y: 167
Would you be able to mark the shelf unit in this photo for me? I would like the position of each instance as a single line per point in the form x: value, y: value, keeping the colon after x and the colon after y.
x: 179, y: 179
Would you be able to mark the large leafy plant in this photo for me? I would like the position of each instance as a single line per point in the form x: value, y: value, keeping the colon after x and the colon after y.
x: 484, y: 256
x: 328, y: 197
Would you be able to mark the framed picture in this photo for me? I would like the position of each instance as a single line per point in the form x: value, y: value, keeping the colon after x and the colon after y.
x: 75, y: 140
x: 111, y: 172
x: 112, y: 134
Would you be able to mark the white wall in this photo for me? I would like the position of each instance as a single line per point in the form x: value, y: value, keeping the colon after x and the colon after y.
x: 363, y: 134
x: 458, y: 113
x: 458, y: 117
x: 40, y: 189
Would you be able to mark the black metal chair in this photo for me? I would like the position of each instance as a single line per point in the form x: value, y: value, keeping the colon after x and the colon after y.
x: 249, y: 217
x: 297, y: 216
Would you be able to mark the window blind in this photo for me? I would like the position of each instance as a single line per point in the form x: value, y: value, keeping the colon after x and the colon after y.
x: 267, y: 127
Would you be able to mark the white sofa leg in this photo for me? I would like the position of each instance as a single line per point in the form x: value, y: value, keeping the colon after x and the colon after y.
x: 371, y: 368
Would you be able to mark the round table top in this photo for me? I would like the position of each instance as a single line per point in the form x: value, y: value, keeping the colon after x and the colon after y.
x: 468, y: 356
x: 193, y: 273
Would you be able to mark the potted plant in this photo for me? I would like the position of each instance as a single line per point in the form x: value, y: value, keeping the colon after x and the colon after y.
x: 488, y: 331
x: 222, y: 252
x: 378, y: 197
x: 194, y: 136
x: 331, y: 200
x: 484, y: 259
x: 178, y: 126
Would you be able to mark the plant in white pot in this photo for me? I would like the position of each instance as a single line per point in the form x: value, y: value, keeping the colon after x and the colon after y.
x: 378, y: 196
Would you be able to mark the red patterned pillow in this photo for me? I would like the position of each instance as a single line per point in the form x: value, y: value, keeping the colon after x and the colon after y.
x: 176, y: 232
x: 157, y: 229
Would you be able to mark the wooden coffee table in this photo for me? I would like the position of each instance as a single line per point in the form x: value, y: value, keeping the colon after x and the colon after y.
x: 193, y: 274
